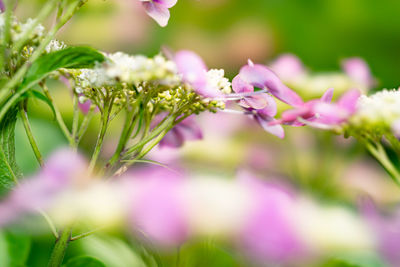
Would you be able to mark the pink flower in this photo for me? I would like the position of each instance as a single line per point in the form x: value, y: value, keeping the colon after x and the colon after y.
x: 194, y: 72
x: 357, y: 69
x: 265, y: 117
x: 387, y: 230
x: 260, y: 76
x: 305, y: 111
x: 288, y: 67
x: 186, y: 130
x: 331, y: 114
x: 159, y: 10
x: 256, y: 101
x: 62, y: 169
x: 268, y: 234
x: 157, y: 208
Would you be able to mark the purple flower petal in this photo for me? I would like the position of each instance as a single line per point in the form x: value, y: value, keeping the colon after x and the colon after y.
x: 194, y: 72
x: 268, y: 125
x: 268, y: 234
x: 186, y: 130
x: 288, y: 67
x: 261, y: 77
x: 158, y: 10
x: 2, y: 7
x: 327, y: 96
x: 257, y: 101
x: 157, y: 208
x: 358, y: 70
x: 348, y: 101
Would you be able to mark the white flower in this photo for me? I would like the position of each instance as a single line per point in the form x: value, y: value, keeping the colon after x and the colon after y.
x: 216, y: 79
x: 381, y: 108
x: 25, y: 27
x: 55, y: 45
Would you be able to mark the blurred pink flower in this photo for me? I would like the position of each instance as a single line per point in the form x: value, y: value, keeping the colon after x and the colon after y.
x: 288, y: 66
x: 194, y: 72
x: 186, y: 130
x: 358, y: 70
x: 159, y: 10
x: 62, y: 169
x: 157, y: 210
x: 387, y: 230
x: 396, y: 128
x: 269, y: 234
x: 2, y: 7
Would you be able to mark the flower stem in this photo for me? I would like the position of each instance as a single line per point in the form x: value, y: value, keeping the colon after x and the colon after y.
x: 29, y: 134
x: 105, y: 118
x: 57, y: 256
x: 378, y: 151
x: 57, y: 113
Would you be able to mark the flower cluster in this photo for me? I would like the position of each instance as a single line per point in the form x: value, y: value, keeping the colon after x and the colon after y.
x: 378, y: 112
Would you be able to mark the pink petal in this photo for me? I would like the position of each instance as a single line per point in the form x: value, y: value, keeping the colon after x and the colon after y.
x: 158, y: 12
x: 327, y: 96
x: 288, y: 67
x: 261, y: 77
x: 166, y: 3
x: 348, y: 101
x: 241, y: 86
x: 276, y: 129
x: 193, y: 70
x: 358, y: 70
x: 270, y: 109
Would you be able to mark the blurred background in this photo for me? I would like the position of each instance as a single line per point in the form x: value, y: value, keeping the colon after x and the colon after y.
x: 226, y: 33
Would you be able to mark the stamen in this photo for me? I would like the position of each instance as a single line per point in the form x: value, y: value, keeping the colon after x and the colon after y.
x: 233, y: 111
x: 251, y: 64
x: 239, y: 96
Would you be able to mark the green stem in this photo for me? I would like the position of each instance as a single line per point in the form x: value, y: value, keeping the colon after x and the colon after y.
x: 75, y: 120
x: 85, y: 124
x: 100, y: 138
x: 152, y: 135
x: 57, y: 256
x: 58, y: 115
x: 125, y: 135
x: 378, y: 151
x: 29, y: 134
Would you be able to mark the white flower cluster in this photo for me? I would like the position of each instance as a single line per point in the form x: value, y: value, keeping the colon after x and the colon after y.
x: 381, y: 109
x: 136, y: 69
x: 38, y: 31
x: 216, y: 79
x: 55, y: 45
x: 123, y: 68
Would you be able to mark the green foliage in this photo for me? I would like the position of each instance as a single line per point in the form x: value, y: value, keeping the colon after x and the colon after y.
x: 9, y: 172
x: 14, y: 249
x: 70, y: 58
x: 356, y: 260
x: 84, y: 261
x: 40, y: 96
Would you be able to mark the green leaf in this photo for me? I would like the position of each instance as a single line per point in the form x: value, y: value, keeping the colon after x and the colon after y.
x: 355, y: 260
x: 84, y: 261
x: 14, y: 249
x: 69, y: 58
x: 9, y: 171
x: 38, y: 95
